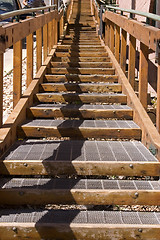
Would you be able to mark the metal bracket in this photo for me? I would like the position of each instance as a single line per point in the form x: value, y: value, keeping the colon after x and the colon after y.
x: 153, y: 149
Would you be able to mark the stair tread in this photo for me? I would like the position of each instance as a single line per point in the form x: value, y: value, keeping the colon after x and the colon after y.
x: 102, y: 124
x: 79, y: 150
x: 81, y: 94
x: 41, y: 216
x: 79, y: 184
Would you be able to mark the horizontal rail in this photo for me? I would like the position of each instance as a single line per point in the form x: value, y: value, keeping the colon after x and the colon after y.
x: 143, y: 14
x: 25, y: 11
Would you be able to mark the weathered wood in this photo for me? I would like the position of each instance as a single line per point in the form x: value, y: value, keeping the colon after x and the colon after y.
x: 117, y: 42
x: 1, y: 88
x: 29, y: 59
x: 158, y: 96
x: 107, y: 33
x: 123, y: 50
x: 132, y: 60
x: 45, y: 42
x: 17, y: 72
x: 112, y: 37
x: 39, y: 48
x: 107, y: 71
x: 84, y: 98
x: 42, y: 112
x: 143, y: 75
x: 77, y: 64
x: 100, y: 168
x: 50, y: 28
x: 81, y: 59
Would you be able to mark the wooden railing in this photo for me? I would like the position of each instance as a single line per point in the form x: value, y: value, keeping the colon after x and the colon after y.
x: 124, y: 34
x: 47, y: 26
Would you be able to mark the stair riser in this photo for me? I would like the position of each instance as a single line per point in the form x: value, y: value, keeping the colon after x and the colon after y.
x: 80, y: 88
x: 50, y: 98
x: 34, y: 196
x: 81, y: 64
x: 82, y: 59
x: 82, y: 114
x: 81, y: 78
x: 80, y: 47
x: 81, y: 168
x: 81, y: 54
x: 79, y: 133
x: 107, y: 71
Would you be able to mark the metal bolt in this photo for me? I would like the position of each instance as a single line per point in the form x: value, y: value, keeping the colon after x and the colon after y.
x: 139, y: 230
x: 14, y: 229
x: 118, y: 130
x: 131, y: 165
x: 25, y: 164
x: 136, y: 194
x: 38, y: 129
x: 114, y: 111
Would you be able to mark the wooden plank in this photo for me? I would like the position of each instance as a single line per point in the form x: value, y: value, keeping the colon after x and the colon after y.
x: 123, y: 50
x: 107, y: 33
x: 81, y: 64
x: 50, y: 28
x: 79, y: 132
x: 40, y: 112
x: 17, y: 72
x: 1, y: 88
x: 84, y: 168
x: 112, y: 37
x: 158, y: 96
x: 53, y: 33
x: 117, y: 42
x: 29, y: 59
x: 81, y: 59
x: 143, y: 75
x: 132, y: 60
x: 85, y: 98
x: 56, y: 31
x: 23, y: 196
x: 107, y: 71
x: 45, y: 42
x: 39, y: 48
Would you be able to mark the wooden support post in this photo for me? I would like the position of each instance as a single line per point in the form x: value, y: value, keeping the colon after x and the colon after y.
x: 143, y: 74
x: 107, y: 33
x: 17, y: 72
x: 123, y: 50
x: 45, y: 42
x: 1, y: 88
x: 56, y: 31
x: 29, y: 58
x: 132, y: 60
x: 53, y: 32
x: 117, y: 42
x: 158, y: 96
x: 39, y: 48
x: 49, y: 36
x: 112, y: 37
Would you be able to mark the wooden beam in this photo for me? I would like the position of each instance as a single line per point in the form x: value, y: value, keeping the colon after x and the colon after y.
x: 29, y: 58
x: 50, y: 36
x: 45, y: 42
x: 117, y: 42
x: 143, y: 74
x: 39, y: 48
x: 1, y: 88
x: 158, y: 96
x: 107, y: 32
x: 123, y: 50
x: 112, y: 37
x: 132, y: 60
x: 17, y: 72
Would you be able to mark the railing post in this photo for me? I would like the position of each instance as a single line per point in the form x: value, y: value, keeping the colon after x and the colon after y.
x: 29, y: 58
x: 107, y: 32
x: 39, y: 48
x: 45, y: 42
x: 49, y: 36
x: 123, y: 50
x: 17, y: 72
x: 112, y: 37
x: 158, y: 96
x: 132, y: 60
x: 143, y: 74
x: 117, y: 42
x: 1, y: 88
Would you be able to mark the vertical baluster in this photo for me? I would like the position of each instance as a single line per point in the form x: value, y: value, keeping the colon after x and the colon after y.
x: 117, y: 42
x: 56, y: 31
x: 143, y: 74
x: 112, y: 37
x: 123, y: 50
x: 107, y: 33
x: 132, y: 60
x: 17, y: 72
x: 53, y: 32
x: 1, y: 89
x: 39, y: 48
x: 45, y: 42
x: 50, y: 36
x: 158, y: 96
x: 29, y: 58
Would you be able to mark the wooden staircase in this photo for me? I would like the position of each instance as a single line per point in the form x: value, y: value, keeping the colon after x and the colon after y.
x: 79, y: 154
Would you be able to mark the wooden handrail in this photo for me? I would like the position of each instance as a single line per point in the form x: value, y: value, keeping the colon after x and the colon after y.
x: 12, y: 34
